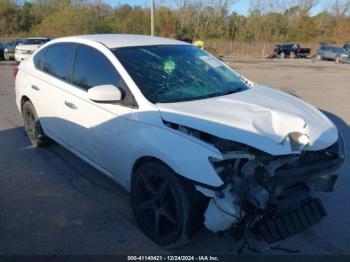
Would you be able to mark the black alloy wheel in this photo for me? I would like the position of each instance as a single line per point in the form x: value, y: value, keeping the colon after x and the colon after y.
x: 163, y: 206
x: 32, y: 126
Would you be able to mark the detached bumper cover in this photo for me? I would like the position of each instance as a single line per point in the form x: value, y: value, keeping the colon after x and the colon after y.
x: 291, y: 222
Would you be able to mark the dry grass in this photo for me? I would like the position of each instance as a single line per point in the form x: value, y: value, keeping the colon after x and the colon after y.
x: 241, y: 49
x: 230, y: 48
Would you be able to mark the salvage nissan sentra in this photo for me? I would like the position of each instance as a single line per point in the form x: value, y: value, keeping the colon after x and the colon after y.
x: 193, y: 141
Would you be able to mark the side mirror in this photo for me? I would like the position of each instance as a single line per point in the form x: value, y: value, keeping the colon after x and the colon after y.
x: 105, y: 94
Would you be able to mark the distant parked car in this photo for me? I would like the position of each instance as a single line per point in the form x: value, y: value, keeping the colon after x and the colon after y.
x: 324, y: 44
x: 28, y: 47
x: 333, y: 53
x: 347, y: 47
x: 2, y: 47
x: 291, y: 50
x: 9, y: 51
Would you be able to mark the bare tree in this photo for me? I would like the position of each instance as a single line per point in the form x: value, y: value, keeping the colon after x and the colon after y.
x: 340, y: 8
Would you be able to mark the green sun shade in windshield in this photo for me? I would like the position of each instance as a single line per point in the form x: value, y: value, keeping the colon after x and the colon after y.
x: 169, y: 66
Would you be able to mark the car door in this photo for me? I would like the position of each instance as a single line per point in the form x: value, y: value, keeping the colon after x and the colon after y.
x: 326, y: 53
x: 96, y: 130
x: 330, y: 53
x: 53, y: 70
x: 333, y: 53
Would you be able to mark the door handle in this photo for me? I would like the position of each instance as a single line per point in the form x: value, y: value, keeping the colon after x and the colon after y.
x: 35, y: 88
x: 70, y: 105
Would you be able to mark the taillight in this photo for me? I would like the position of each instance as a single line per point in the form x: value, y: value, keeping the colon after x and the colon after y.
x: 15, y: 71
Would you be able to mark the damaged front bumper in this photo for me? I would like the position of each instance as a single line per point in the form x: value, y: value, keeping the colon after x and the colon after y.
x: 270, y: 195
x: 286, y: 223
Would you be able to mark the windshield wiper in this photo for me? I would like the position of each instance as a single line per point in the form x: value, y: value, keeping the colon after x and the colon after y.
x: 232, y: 91
x: 228, y: 92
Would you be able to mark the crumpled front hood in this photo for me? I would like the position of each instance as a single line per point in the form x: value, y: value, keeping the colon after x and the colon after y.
x: 260, y: 117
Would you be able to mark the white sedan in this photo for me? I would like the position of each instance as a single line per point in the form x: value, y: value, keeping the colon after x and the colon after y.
x: 24, y: 50
x: 193, y: 141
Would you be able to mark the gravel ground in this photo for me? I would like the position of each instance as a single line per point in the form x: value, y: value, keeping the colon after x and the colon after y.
x: 53, y: 203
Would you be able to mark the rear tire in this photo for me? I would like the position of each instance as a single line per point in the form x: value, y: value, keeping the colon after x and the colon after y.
x: 32, y: 126
x: 167, y: 209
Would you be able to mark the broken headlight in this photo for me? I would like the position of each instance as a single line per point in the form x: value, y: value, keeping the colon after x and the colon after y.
x: 298, y: 141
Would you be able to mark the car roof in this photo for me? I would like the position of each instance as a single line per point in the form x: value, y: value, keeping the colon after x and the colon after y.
x: 124, y: 40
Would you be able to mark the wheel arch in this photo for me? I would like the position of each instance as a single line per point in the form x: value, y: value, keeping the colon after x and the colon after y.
x: 24, y: 99
x: 145, y: 159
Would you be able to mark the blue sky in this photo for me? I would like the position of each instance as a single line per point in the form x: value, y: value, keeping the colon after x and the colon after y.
x: 240, y: 6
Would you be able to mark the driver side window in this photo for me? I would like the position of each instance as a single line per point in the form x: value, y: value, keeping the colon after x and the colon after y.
x: 91, y: 69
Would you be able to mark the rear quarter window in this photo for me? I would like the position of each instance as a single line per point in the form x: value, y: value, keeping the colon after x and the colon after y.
x: 38, y: 59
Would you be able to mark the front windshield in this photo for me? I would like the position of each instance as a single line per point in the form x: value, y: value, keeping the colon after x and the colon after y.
x: 168, y: 74
x: 34, y: 41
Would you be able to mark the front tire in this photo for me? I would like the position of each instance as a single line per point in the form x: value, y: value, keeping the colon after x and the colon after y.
x: 32, y: 126
x: 167, y: 209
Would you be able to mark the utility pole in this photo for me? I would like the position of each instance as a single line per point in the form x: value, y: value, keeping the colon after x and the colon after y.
x: 152, y: 17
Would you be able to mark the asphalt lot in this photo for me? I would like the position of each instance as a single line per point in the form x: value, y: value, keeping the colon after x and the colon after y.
x: 53, y: 203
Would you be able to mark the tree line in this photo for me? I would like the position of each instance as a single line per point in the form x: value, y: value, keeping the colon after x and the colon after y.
x: 266, y: 21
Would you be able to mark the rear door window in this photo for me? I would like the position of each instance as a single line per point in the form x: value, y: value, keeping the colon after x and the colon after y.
x: 58, y: 60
